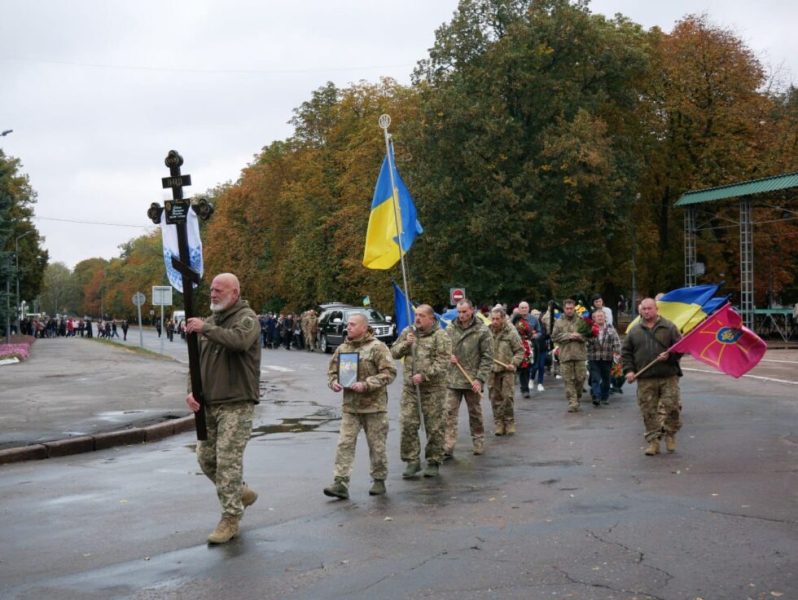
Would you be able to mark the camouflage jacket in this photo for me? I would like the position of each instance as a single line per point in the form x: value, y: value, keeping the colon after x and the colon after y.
x: 229, y: 348
x: 473, y: 346
x: 642, y: 345
x: 507, y: 347
x: 433, y: 349
x: 375, y: 367
x: 569, y: 349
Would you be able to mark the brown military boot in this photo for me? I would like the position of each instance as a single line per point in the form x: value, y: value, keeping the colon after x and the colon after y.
x: 670, y: 443
x: 499, y: 427
x: 225, y: 531
x: 479, y: 447
x: 653, y: 447
x: 509, y: 428
x: 248, y: 495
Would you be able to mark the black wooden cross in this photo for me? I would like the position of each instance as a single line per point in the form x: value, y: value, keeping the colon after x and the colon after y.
x: 177, y: 214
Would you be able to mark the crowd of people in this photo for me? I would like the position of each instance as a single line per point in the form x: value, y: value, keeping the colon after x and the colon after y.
x: 442, y: 369
x: 289, y: 330
x: 63, y: 326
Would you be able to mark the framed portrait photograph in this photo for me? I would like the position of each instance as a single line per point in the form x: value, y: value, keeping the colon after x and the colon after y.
x: 347, y: 368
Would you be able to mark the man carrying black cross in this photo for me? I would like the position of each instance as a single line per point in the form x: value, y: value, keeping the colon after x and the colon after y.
x: 229, y: 343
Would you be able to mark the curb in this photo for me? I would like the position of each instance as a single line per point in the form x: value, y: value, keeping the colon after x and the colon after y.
x: 100, y: 441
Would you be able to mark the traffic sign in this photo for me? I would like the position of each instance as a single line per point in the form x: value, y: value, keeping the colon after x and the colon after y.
x: 139, y: 298
x: 162, y: 295
x: 455, y: 295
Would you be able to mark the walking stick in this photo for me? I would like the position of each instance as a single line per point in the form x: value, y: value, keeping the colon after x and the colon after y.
x: 498, y: 362
x: 463, y: 371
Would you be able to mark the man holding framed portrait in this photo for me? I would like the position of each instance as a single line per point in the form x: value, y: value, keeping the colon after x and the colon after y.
x: 361, y: 368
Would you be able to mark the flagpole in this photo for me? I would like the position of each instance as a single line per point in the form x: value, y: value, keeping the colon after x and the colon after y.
x: 385, y: 122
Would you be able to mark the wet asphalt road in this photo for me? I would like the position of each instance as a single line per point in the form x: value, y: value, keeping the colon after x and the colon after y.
x: 567, y: 508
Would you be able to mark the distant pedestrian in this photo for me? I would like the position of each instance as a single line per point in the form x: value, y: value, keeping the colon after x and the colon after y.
x: 508, y: 352
x: 573, y: 353
x: 124, y: 329
x: 603, y: 350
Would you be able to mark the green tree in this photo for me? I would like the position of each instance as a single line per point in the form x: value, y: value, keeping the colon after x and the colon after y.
x: 17, y: 233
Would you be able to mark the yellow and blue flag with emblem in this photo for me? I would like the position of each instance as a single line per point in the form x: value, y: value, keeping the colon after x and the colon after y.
x: 382, y: 236
x: 686, y: 307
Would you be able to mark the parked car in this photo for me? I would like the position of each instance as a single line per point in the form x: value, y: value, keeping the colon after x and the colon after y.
x: 333, y: 319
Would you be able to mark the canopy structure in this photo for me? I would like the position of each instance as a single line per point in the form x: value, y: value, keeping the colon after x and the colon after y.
x: 743, y: 191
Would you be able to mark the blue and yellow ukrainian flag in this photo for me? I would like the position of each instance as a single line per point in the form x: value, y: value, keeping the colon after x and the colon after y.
x: 686, y: 307
x: 382, y: 237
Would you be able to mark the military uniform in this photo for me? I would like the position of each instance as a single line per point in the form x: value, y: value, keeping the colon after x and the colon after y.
x: 573, y: 354
x: 507, y: 349
x: 432, y: 351
x: 473, y: 347
x: 658, y: 387
x: 312, y: 325
x: 367, y: 410
x: 229, y: 349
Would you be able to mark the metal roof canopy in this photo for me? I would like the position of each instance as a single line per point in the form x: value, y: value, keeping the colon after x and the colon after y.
x: 736, y: 190
x: 743, y: 191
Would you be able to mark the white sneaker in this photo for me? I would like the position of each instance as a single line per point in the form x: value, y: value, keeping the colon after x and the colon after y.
x: 540, y: 387
x: 557, y: 377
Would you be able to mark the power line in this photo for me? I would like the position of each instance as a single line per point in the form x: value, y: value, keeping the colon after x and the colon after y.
x: 204, y: 71
x: 91, y: 222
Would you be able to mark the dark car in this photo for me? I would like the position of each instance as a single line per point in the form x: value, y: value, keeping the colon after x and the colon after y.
x: 333, y: 319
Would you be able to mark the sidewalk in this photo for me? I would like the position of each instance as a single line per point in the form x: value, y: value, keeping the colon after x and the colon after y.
x: 76, y: 395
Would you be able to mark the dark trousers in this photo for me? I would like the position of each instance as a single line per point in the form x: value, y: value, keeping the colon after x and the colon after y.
x: 523, y: 378
x: 600, y: 378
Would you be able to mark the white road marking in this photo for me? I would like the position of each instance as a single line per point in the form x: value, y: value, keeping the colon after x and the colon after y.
x: 749, y: 376
x: 277, y: 368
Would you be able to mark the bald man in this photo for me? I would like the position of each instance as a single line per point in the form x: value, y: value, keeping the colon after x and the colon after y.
x: 229, y: 346
x: 365, y: 404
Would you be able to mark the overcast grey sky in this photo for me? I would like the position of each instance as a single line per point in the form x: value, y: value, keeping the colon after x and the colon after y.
x: 98, y: 91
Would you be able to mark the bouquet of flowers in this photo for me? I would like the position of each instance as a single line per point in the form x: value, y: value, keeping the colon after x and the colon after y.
x: 586, y: 327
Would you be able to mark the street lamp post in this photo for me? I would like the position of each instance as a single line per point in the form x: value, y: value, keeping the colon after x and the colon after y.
x: 16, y: 257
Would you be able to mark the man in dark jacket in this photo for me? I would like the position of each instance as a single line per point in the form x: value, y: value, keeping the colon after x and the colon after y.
x: 647, y: 360
x: 230, y: 370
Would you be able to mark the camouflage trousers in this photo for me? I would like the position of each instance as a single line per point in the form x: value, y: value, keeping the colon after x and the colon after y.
x: 573, y: 376
x: 375, y: 425
x: 310, y: 339
x: 660, y: 404
x: 473, y: 400
x: 221, y: 456
x: 501, y: 390
x: 432, y: 408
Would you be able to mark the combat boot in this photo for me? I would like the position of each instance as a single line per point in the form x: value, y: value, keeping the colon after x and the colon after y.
x: 339, y: 489
x: 248, y: 495
x: 509, y: 428
x: 670, y: 443
x: 479, y: 447
x: 431, y: 470
x: 225, y: 531
x: 377, y: 488
x: 499, y: 427
x: 413, y: 467
x: 653, y: 447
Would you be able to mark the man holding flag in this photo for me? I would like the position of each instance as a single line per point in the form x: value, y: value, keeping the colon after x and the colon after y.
x: 658, y: 383
x: 425, y: 349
